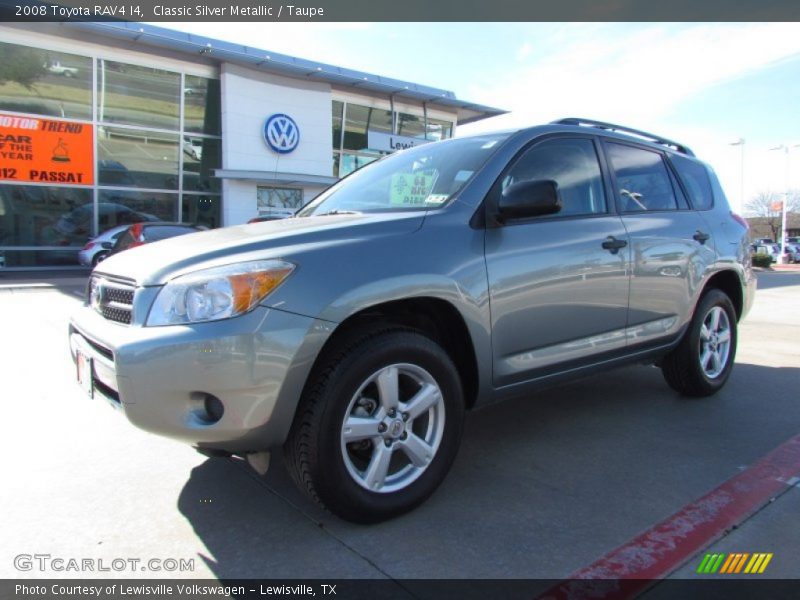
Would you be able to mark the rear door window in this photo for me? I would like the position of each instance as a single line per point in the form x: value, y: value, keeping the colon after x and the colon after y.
x: 642, y: 179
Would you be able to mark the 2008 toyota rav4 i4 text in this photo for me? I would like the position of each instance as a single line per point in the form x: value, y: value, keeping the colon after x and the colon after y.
x: 440, y: 278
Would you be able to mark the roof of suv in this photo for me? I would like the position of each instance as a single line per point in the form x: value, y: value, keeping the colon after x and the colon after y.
x: 620, y: 132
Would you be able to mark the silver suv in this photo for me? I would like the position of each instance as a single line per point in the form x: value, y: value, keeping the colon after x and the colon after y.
x: 357, y: 333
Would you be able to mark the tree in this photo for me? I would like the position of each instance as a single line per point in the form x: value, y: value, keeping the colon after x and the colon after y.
x: 764, y: 204
x: 21, y: 65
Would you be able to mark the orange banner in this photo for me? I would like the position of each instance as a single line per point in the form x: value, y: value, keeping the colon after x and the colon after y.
x: 46, y: 150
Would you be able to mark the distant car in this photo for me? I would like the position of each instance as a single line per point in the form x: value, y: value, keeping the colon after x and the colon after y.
x: 771, y: 250
x: 759, y: 241
x: 56, y: 68
x: 793, y: 240
x: 792, y: 252
x: 98, y: 248
x: 193, y: 147
x: 140, y: 234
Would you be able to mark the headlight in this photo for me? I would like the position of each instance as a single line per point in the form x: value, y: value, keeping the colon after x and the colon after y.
x: 217, y: 293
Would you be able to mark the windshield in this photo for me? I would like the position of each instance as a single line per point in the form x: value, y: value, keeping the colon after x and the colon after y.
x: 419, y: 178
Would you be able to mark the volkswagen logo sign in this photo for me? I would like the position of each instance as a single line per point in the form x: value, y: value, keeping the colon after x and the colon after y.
x: 281, y: 133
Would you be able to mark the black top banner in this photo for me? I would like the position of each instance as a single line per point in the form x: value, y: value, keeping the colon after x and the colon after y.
x: 400, y: 11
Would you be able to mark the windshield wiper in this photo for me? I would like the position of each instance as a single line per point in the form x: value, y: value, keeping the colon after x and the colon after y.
x: 338, y: 212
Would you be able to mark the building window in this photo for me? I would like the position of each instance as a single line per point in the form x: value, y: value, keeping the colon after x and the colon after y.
x: 201, y: 105
x: 43, y: 82
x: 137, y: 158
x: 136, y: 95
x: 201, y: 209
x: 158, y: 143
x: 278, y: 200
x: 39, y: 215
x: 353, y: 122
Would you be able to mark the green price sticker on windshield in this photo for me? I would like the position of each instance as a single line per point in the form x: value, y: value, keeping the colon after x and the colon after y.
x: 411, y: 189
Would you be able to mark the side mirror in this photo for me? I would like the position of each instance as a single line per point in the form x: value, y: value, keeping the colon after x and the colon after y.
x: 529, y: 199
x: 107, y: 245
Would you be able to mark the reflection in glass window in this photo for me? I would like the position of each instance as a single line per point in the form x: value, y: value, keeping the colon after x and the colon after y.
x: 422, y: 178
x: 43, y: 215
x: 38, y: 258
x: 410, y: 125
x: 695, y: 177
x: 337, y: 124
x: 122, y: 207
x: 282, y: 200
x: 573, y: 165
x: 44, y: 82
x: 359, y: 120
x: 202, y: 210
x: 137, y: 158
x: 200, y: 157
x: 642, y: 179
x: 439, y: 129
x: 352, y: 162
x: 136, y: 95
x: 201, y: 105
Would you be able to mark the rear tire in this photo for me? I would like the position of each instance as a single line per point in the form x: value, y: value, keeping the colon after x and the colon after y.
x: 98, y: 258
x: 378, y: 426
x: 701, y: 364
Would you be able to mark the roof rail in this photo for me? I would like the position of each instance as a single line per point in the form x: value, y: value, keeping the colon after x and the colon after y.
x: 621, y: 129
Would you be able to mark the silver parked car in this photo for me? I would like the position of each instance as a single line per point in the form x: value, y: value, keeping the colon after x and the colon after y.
x: 98, y: 248
x: 357, y: 333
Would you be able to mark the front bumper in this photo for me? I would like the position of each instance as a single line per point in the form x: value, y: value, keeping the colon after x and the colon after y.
x: 255, y: 364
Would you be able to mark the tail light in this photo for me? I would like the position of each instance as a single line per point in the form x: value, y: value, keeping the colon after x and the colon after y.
x: 89, y: 246
x: 136, y: 232
x: 740, y: 220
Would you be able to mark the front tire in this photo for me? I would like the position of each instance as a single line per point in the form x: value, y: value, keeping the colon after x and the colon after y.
x: 701, y: 364
x: 378, y: 426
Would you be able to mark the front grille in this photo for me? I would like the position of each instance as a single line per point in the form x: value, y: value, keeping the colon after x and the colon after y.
x: 112, y: 298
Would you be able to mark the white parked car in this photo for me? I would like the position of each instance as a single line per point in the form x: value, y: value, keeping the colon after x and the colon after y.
x: 771, y: 250
x: 98, y: 248
x: 193, y: 147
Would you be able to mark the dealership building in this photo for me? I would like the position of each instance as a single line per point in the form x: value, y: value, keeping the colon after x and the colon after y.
x: 104, y: 124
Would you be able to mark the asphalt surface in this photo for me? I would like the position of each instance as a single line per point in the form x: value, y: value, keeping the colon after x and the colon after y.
x: 542, y: 486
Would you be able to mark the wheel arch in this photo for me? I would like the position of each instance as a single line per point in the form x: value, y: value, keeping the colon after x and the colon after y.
x: 729, y: 282
x: 432, y: 316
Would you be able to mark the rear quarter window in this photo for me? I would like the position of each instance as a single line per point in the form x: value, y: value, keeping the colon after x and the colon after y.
x: 694, y: 176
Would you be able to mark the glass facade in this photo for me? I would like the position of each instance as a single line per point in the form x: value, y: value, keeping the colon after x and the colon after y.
x: 351, y: 126
x: 157, y: 143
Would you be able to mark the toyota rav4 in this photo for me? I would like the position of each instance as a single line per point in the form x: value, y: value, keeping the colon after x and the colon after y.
x: 358, y: 332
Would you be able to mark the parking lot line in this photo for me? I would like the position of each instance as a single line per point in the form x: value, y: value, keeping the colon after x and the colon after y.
x: 654, y: 554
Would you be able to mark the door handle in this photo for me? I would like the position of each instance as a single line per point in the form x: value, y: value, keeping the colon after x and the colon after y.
x: 701, y: 236
x: 613, y: 244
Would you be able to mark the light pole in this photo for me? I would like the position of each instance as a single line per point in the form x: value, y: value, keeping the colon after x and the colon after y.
x: 740, y: 143
x: 785, y: 148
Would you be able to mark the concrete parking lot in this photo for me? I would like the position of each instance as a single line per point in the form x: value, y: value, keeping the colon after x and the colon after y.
x: 541, y: 488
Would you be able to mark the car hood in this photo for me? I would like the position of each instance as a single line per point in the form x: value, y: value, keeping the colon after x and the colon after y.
x: 158, y: 262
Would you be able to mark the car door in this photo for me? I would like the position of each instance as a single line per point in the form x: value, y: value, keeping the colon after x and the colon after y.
x: 671, y: 245
x: 558, y: 284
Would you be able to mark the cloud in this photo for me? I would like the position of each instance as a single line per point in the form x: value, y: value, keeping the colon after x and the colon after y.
x: 524, y: 51
x: 630, y: 74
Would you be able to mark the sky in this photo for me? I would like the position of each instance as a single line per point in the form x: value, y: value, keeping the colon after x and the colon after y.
x: 704, y: 84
